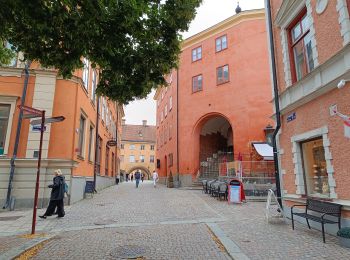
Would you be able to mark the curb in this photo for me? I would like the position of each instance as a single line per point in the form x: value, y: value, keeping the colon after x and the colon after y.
x: 20, y: 250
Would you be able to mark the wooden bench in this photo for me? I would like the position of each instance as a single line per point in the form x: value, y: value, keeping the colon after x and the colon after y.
x: 324, y: 210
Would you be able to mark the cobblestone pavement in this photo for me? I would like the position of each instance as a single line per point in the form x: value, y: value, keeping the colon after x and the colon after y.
x: 124, y: 222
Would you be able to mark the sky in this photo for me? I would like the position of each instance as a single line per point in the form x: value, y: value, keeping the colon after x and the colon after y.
x: 209, y: 13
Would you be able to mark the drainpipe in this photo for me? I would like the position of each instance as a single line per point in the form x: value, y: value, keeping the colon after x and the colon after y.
x: 276, y: 100
x: 96, y: 140
x: 18, y: 133
x: 177, y: 124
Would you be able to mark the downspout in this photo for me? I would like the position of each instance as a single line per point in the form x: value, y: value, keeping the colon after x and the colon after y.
x: 177, y: 123
x: 96, y: 139
x: 276, y: 100
x: 18, y: 133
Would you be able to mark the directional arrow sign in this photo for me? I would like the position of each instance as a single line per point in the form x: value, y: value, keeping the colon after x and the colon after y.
x: 48, y: 120
x: 30, y: 110
x: 29, y: 116
x: 112, y: 143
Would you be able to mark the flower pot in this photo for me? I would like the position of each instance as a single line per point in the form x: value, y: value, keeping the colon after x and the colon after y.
x: 344, y: 242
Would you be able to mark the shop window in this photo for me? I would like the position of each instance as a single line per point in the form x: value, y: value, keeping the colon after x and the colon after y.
x: 300, y: 47
x: 221, y: 43
x: 315, y: 169
x: 197, y: 83
x: 4, y: 120
x: 222, y: 75
x: 197, y: 54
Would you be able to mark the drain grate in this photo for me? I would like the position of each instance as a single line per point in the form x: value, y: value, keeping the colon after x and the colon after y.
x: 128, y: 251
x: 10, y: 218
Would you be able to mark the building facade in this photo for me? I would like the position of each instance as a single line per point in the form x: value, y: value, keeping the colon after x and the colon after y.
x: 312, y: 49
x: 70, y: 145
x: 138, y: 147
x: 218, y: 102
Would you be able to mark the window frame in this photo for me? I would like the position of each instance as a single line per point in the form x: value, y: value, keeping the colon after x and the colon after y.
x: 132, y: 156
x: 196, y: 53
x: 165, y: 110
x: 86, y: 74
x: 93, y: 85
x: 152, y: 147
x: 151, y: 157
x: 291, y: 45
x: 142, y: 147
x: 170, y: 103
x: 132, y: 147
x: 142, y: 158
x: 91, y: 141
x: 99, y: 155
x: 217, y: 74
x: 193, y: 83
x: 81, y: 139
x: 220, y: 38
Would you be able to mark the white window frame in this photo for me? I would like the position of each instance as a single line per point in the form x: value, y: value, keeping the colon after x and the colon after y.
x: 132, y: 147
x: 166, y: 110
x: 132, y: 156
x: 84, y: 143
x: 8, y: 100
x: 91, y: 153
x: 170, y: 103
x: 86, y: 73
x: 94, y: 85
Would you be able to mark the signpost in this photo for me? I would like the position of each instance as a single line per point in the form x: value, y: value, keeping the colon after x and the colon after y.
x: 38, y: 125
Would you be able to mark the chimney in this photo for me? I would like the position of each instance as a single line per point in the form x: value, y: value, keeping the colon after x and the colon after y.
x: 123, y: 121
x: 144, y: 122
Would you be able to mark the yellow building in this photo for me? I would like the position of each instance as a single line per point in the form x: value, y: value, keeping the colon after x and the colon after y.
x: 138, y: 149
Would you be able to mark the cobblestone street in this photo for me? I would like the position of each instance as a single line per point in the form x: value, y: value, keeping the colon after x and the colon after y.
x: 122, y: 222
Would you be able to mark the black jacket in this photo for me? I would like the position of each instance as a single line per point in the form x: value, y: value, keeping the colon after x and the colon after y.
x: 57, y: 192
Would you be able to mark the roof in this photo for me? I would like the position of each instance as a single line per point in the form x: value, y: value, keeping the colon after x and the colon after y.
x: 139, y: 133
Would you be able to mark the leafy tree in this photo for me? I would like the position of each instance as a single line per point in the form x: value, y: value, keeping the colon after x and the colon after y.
x: 6, y: 54
x: 132, y: 42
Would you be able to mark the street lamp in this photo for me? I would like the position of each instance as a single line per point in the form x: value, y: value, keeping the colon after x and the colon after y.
x: 342, y: 83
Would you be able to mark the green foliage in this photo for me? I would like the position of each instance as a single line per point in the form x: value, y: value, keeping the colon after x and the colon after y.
x: 6, y: 55
x: 344, y: 232
x: 133, y: 42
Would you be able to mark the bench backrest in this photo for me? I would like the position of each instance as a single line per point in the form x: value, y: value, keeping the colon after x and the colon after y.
x: 323, y: 207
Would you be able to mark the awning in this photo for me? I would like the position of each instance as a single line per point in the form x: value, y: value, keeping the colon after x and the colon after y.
x: 264, y: 150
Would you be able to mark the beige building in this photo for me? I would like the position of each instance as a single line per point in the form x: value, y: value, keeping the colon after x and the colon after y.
x: 138, y: 147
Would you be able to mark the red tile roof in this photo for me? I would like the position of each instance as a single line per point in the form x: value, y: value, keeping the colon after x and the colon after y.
x: 139, y: 133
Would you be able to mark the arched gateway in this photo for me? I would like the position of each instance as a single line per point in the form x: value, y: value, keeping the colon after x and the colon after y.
x: 214, y: 146
x: 144, y: 170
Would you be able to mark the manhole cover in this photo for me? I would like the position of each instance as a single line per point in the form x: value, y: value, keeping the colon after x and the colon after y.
x: 128, y: 251
x: 10, y: 218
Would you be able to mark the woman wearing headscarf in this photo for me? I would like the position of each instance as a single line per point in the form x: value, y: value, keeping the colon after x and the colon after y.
x: 57, y: 196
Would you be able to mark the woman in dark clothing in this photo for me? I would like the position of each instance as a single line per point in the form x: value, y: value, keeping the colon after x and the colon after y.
x: 57, y: 196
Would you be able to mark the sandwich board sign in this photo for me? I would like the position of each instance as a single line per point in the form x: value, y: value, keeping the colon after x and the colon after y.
x: 234, y: 191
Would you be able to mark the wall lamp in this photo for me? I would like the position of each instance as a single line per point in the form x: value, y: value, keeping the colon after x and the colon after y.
x: 342, y: 83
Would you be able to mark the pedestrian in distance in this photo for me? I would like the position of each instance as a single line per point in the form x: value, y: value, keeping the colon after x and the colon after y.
x: 127, y: 177
x: 142, y: 177
x: 57, y: 195
x: 137, y: 178
x: 132, y: 177
x: 155, y: 178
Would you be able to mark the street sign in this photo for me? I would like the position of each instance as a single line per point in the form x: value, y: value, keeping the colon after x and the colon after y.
x: 112, y: 143
x: 291, y: 117
x: 31, y: 110
x: 37, y: 128
x: 48, y: 120
x: 30, y: 116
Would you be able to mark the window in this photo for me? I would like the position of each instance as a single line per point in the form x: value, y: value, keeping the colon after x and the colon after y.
x: 301, y: 48
x: 152, y: 147
x: 161, y: 116
x: 222, y: 75
x: 197, y: 83
x: 170, y: 103
x: 142, y: 158
x: 132, y: 158
x: 151, y: 159
x: 221, y: 43
x: 122, y: 146
x: 348, y: 4
x: 170, y: 159
x: 166, y: 110
x: 170, y: 131
x: 132, y: 147
x: 94, y: 85
x: 81, y: 136
x: 142, y: 147
x: 4, y: 120
x: 99, y: 154
x: 197, y: 54
x: 91, y: 139
x: 107, y: 160
x: 315, y: 169
x: 86, y: 74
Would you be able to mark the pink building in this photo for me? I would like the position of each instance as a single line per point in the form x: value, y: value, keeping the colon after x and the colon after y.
x: 312, y: 45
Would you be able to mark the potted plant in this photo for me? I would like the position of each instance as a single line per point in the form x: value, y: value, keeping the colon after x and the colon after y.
x: 344, y: 236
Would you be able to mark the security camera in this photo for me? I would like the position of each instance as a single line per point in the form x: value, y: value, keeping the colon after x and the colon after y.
x: 342, y: 83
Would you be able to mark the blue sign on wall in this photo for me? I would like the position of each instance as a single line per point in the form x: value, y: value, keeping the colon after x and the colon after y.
x: 291, y: 117
x: 37, y: 128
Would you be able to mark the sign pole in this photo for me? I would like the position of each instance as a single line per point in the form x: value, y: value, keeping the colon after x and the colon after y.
x: 38, y: 172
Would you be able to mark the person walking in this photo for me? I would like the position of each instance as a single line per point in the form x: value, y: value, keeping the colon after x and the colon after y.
x: 57, y: 196
x: 132, y: 177
x: 142, y: 177
x: 137, y: 178
x: 155, y: 178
